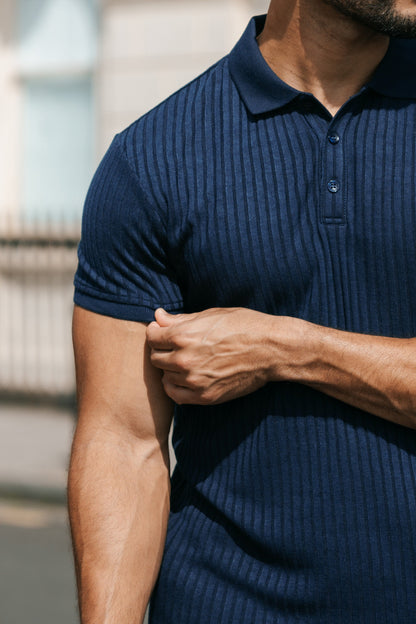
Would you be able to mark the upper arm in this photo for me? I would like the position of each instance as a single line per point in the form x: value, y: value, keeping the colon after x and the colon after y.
x: 118, y: 388
x: 124, y: 274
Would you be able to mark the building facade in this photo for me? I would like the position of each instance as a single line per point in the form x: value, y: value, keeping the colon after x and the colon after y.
x: 72, y: 74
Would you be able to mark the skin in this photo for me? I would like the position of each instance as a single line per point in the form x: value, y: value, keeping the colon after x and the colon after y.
x: 221, y: 354
x: 314, y: 47
x: 118, y: 486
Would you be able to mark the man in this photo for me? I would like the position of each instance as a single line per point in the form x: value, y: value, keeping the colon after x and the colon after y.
x: 270, y: 205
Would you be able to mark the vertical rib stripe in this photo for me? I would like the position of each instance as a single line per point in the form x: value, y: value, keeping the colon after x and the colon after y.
x: 287, y: 505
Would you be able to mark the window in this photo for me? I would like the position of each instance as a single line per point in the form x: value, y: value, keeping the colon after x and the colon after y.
x: 57, y: 48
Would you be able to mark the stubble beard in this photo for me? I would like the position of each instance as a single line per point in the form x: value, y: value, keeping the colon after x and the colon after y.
x: 379, y: 15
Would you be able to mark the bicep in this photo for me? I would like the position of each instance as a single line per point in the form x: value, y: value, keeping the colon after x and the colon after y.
x: 117, y: 386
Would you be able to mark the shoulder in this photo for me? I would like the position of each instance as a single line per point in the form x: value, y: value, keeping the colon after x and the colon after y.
x: 162, y: 137
x: 187, y: 99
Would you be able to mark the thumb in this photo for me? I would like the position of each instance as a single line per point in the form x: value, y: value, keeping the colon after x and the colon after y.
x: 163, y: 318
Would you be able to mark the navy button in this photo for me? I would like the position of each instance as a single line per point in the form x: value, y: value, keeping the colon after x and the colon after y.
x: 333, y: 138
x: 333, y: 186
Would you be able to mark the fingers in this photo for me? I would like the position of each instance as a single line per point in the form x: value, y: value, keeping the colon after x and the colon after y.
x: 176, y: 360
x: 188, y: 396
x: 164, y: 359
x: 175, y: 336
x: 158, y: 337
x: 158, y: 334
x: 164, y: 319
x: 181, y: 396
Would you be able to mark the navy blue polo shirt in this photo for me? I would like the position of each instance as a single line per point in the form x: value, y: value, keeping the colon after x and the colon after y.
x: 287, y: 505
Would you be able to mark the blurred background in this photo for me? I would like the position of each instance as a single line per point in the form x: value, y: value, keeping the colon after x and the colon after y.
x: 72, y: 74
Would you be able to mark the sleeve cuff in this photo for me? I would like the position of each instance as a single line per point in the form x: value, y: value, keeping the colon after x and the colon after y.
x: 123, y: 311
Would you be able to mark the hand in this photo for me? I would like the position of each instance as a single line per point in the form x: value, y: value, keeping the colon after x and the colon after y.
x: 223, y: 353
x: 212, y: 356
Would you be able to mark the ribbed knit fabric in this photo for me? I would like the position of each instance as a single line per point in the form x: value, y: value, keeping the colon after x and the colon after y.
x: 287, y: 505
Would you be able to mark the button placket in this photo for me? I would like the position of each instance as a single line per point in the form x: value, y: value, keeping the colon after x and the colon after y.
x: 332, y: 195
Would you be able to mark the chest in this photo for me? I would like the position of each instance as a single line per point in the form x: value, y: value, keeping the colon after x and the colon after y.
x: 292, y: 218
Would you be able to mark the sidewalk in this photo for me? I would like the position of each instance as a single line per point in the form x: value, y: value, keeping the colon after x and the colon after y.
x: 34, y: 451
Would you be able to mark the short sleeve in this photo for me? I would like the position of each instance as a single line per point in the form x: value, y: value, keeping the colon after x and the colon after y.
x: 123, y: 257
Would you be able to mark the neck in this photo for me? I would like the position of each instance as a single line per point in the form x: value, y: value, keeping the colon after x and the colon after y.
x: 314, y: 48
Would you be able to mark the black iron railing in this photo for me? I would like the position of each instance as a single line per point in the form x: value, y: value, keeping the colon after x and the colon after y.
x: 36, y: 273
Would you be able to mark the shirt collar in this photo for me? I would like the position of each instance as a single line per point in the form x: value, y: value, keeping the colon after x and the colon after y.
x: 396, y: 74
x: 263, y: 91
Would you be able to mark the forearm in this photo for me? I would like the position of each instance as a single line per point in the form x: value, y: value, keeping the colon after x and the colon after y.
x: 224, y: 353
x: 374, y: 373
x: 118, y: 491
